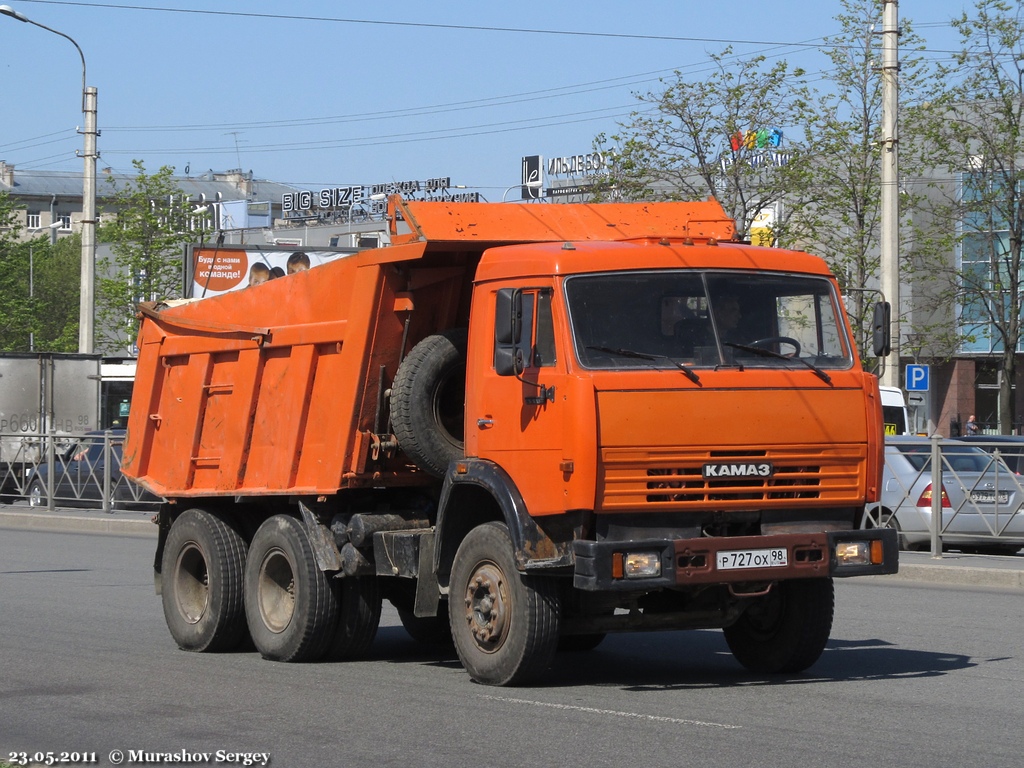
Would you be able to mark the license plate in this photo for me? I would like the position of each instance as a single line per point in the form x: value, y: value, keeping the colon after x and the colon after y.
x: 738, y: 559
x: 989, y: 497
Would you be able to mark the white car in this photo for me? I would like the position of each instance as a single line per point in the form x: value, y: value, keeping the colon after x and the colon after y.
x: 981, y: 499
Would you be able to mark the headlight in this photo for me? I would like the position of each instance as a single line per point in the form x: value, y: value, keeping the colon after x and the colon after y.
x: 859, y: 552
x: 642, y: 565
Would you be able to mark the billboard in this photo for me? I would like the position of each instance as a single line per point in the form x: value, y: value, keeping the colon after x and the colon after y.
x: 243, y: 214
x: 216, y: 270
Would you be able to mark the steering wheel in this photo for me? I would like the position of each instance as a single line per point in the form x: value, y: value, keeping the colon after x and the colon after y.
x: 778, y: 340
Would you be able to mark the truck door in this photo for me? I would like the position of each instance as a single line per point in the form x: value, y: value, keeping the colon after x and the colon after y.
x: 517, y: 410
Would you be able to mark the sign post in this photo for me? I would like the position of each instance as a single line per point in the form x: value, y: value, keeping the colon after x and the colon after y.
x: 918, y: 379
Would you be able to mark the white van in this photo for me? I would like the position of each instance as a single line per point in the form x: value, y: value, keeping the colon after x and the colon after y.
x: 894, y: 411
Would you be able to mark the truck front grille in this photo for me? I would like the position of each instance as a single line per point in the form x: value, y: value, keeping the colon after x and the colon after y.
x: 674, y: 480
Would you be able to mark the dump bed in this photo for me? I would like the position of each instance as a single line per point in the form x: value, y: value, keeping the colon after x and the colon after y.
x: 281, y: 388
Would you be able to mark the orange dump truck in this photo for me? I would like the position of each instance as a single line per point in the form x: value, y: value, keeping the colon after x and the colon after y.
x: 526, y: 426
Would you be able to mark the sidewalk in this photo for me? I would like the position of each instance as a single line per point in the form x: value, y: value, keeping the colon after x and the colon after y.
x: 1006, y: 571
x: 952, y: 568
x: 72, y: 520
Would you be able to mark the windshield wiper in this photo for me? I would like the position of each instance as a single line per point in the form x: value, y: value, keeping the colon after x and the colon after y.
x: 687, y: 370
x: 768, y: 353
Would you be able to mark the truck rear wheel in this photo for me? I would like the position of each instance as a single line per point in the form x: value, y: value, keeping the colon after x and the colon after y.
x: 504, y: 624
x: 358, y: 616
x: 289, y: 603
x: 428, y: 398
x: 202, y: 572
x: 428, y: 630
x: 787, y: 629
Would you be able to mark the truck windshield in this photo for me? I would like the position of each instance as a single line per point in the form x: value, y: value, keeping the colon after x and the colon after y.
x: 628, y: 320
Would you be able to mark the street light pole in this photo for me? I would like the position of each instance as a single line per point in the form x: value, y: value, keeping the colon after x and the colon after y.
x: 89, y: 155
x: 889, y: 243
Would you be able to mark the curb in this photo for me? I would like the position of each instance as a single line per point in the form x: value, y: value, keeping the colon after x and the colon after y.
x: 957, y: 575
x: 71, y: 523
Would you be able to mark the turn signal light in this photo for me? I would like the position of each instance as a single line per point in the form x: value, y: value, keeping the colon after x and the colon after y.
x: 859, y: 552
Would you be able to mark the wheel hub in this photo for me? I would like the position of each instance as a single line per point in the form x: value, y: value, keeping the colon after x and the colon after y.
x: 192, y: 583
x: 276, y: 591
x: 487, y: 607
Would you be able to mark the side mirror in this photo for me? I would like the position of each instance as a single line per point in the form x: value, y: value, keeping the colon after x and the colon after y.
x: 881, y: 329
x: 508, y: 361
x: 508, y: 332
x: 508, y: 316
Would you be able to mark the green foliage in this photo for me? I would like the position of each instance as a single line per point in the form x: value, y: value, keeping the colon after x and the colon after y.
x: 968, y: 116
x: 38, y: 289
x: 677, y: 146
x: 148, y: 239
x: 973, y: 129
x: 840, y: 185
x: 15, y: 305
x: 58, y: 275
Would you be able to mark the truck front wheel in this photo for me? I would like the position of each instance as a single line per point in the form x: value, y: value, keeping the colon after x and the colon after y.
x: 201, y: 582
x: 787, y: 629
x: 289, y: 603
x: 505, y: 624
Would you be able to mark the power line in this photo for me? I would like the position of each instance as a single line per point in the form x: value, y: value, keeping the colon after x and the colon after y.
x: 423, y: 24
x: 504, y: 126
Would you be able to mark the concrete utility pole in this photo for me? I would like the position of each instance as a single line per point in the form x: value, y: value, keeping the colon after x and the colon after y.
x: 89, y: 154
x: 87, y: 302
x: 890, y: 184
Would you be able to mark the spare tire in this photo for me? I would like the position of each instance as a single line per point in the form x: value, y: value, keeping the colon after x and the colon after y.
x: 428, y: 400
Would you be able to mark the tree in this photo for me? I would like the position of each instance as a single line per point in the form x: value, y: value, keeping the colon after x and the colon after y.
x: 147, y: 237
x: 39, y: 288
x: 974, y: 131
x: 840, y: 182
x: 719, y: 135
x: 56, y: 288
x: 15, y: 305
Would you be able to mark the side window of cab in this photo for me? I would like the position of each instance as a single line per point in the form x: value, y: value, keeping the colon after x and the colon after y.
x: 524, y: 334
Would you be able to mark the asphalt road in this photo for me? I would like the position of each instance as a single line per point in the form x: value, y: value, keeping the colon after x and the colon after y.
x: 914, y: 675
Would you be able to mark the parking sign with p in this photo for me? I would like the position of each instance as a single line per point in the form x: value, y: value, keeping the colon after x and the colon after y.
x: 917, y: 378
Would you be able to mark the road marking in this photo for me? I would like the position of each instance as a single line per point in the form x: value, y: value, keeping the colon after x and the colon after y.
x: 594, y: 711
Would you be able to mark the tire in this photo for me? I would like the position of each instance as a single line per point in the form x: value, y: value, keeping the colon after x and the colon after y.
x: 892, y: 522
x: 358, y: 601
x: 8, y: 488
x: 880, y: 517
x: 290, y: 604
x: 428, y: 630
x: 428, y: 398
x: 202, y: 572
x: 889, y: 521
x: 787, y: 629
x: 504, y: 623
x: 37, y: 498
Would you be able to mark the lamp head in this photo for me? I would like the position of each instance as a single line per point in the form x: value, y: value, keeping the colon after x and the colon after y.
x: 6, y: 10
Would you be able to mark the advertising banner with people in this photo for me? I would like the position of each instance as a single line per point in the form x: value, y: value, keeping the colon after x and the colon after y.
x: 217, y: 270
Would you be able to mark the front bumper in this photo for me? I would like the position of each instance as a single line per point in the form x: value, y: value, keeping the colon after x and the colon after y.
x: 694, y: 561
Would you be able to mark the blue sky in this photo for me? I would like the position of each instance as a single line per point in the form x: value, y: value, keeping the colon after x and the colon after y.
x: 360, y: 93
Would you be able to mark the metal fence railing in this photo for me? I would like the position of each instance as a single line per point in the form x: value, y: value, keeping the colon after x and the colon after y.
x: 68, y: 470
x: 967, y: 494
